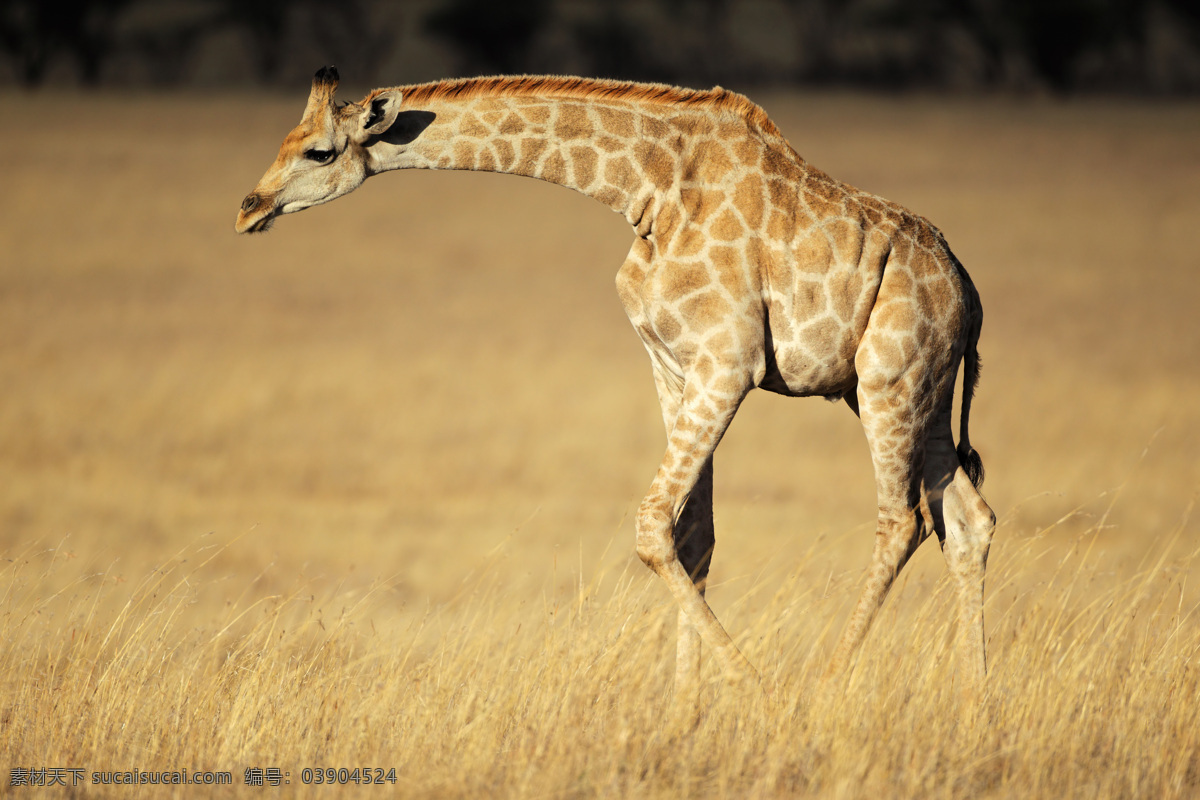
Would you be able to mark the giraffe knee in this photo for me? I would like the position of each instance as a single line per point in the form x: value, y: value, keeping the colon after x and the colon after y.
x: 655, y: 543
x: 970, y: 523
x: 897, y: 536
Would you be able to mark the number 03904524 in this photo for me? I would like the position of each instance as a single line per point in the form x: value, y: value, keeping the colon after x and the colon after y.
x: 343, y: 775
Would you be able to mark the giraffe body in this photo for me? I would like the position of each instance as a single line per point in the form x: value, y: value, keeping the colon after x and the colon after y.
x: 750, y: 268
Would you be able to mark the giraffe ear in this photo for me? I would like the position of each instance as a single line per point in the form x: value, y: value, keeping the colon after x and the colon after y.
x: 379, y: 114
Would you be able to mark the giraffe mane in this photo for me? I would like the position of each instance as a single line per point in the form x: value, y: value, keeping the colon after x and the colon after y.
x: 559, y: 86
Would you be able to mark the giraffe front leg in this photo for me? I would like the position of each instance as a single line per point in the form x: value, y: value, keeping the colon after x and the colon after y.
x: 698, y: 427
x: 694, y: 537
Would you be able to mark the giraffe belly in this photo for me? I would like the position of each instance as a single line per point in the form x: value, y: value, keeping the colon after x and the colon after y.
x: 810, y: 350
x: 799, y: 372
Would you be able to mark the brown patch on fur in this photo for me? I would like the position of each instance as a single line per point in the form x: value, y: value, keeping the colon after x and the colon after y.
x: 705, y: 310
x: 889, y: 358
x: 629, y: 285
x: 464, y: 153
x: 724, y: 259
x: 720, y: 344
x: 748, y: 151
x: 728, y: 130
x: 667, y: 326
x: 610, y: 196
x: 845, y: 296
x: 492, y: 104
x: 748, y: 196
x: 680, y: 280
x: 820, y: 205
x: 512, y: 124
x: 897, y: 315
x: 781, y: 227
x: 684, y: 352
x: 822, y: 334
x: 813, y: 252
x: 619, y: 173
x: 734, y: 280
x: 583, y: 166
x: 691, y: 242
x: 666, y: 222
x: 538, y: 115
x: 848, y: 349
x: 728, y: 226
x: 811, y: 299
x: 610, y: 144
x: 758, y: 255
x: 616, y: 121
x: 656, y: 164
x: 782, y: 163
x: 847, y: 241
x: 469, y: 125
x: 795, y: 361
x: 573, y: 122
x: 554, y: 168
x: 692, y: 124
x: 531, y: 152
x: 934, y: 297
x: 870, y: 210
x: 699, y: 203
x: 781, y: 193
x: 708, y: 162
x: 923, y: 264
x: 653, y: 128
x: 928, y: 236
x: 505, y: 154
x: 781, y: 324
x: 728, y: 384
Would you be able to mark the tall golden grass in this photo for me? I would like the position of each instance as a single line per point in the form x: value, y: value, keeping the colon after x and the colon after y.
x: 357, y: 493
x: 1091, y: 693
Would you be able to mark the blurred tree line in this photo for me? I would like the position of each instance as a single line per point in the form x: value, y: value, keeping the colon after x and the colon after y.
x: 1064, y: 46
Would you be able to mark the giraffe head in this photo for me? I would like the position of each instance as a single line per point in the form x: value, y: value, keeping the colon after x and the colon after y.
x: 323, y: 158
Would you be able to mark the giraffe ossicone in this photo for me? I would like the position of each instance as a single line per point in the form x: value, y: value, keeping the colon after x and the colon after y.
x: 749, y: 268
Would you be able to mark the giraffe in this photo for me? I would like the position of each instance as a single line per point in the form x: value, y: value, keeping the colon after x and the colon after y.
x: 749, y: 268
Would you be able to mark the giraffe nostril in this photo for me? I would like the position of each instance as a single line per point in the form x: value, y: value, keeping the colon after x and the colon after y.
x: 250, y: 203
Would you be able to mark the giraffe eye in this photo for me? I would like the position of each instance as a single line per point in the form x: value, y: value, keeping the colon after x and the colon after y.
x: 319, y: 156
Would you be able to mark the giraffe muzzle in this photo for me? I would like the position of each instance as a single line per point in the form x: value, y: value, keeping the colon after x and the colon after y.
x: 257, y: 213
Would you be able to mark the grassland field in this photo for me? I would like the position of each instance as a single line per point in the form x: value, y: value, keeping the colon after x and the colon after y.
x: 359, y: 492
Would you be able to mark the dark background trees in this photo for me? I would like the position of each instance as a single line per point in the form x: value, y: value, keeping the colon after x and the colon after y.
x: 1061, y: 46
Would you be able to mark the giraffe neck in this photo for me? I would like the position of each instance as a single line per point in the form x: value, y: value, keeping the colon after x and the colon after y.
x: 625, y: 153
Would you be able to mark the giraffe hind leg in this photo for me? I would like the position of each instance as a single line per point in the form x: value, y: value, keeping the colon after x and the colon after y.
x: 895, y: 418
x: 964, y: 525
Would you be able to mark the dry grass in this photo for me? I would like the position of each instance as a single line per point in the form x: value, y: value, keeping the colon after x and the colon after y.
x: 356, y: 493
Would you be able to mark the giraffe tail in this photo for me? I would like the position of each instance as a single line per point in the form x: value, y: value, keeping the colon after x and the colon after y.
x: 972, y: 464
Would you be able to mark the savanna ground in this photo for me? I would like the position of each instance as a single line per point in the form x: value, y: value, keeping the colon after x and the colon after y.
x: 359, y: 492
